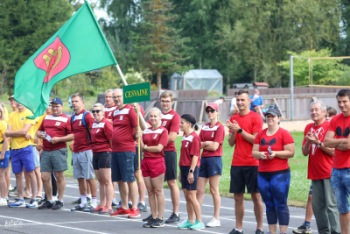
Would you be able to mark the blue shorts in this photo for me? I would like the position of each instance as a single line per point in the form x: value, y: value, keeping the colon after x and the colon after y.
x: 123, y: 166
x: 5, y: 161
x: 22, y: 158
x: 210, y: 166
x: 184, y: 174
x: 340, y: 182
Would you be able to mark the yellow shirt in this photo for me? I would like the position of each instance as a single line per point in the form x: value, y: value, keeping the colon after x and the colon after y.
x: 17, y: 121
x: 3, y: 127
x: 34, y: 128
x: 6, y: 113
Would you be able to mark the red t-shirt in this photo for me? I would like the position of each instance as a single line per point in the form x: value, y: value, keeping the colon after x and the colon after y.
x: 155, y: 137
x: 101, y: 134
x: 250, y: 123
x: 81, y: 141
x: 109, y: 111
x: 171, y: 121
x: 58, y: 126
x: 320, y: 163
x: 340, y: 126
x: 277, y: 142
x: 216, y: 134
x: 124, y: 123
x: 191, y: 145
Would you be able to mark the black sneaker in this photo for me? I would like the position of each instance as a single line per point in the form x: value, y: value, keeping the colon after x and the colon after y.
x: 302, y: 230
x: 46, y: 205
x: 77, y: 201
x: 79, y: 208
x: 41, y: 202
x: 149, y: 222
x: 258, y: 231
x: 147, y: 219
x: 88, y: 200
x: 142, y: 207
x: 114, y: 205
x: 130, y: 205
x: 58, y: 205
x: 173, y: 218
x: 158, y: 223
x: 234, y: 231
x: 118, y: 205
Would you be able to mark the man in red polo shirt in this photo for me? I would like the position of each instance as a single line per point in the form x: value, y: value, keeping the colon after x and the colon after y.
x: 55, y: 130
x: 125, y: 132
x: 110, y: 107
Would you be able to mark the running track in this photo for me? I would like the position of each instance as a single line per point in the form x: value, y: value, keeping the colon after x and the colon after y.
x: 24, y: 220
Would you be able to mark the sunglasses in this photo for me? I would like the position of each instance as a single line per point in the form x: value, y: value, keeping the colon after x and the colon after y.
x: 95, y: 111
x: 210, y: 111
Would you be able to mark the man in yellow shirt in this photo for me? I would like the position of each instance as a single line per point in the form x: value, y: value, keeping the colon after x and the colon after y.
x: 22, y: 153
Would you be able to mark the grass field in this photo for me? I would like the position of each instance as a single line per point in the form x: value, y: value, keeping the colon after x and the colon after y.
x: 299, y: 187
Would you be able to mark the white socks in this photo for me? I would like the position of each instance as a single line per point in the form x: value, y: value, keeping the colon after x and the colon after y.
x: 83, y: 200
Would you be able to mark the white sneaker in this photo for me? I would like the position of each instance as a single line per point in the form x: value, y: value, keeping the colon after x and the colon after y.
x: 182, y: 222
x: 214, y: 223
x: 3, y: 202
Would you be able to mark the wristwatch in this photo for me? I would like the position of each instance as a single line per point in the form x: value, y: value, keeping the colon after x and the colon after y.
x: 144, y: 148
x: 191, y: 171
x: 319, y: 145
x: 240, y: 130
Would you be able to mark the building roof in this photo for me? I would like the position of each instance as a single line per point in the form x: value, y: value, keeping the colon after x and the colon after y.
x: 261, y: 84
x: 202, y: 73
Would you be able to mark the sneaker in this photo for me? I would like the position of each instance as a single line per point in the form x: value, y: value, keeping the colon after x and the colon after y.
x: 77, y: 201
x: 182, y: 222
x: 121, y: 212
x: 3, y: 203
x: 134, y: 213
x: 42, y: 202
x: 158, y: 223
x: 114, y: 205
x: 130, y: 205
x: 147, y: 219
x: 185, y: 225
x: 235, y: 231
x: 149, y: 222
x: 97, y: 209
x: 88, y: 200
x: 89, y: 209
x: 258, y: 231
x: 13, y: 194
x: 197, y: 226
x: 58, y: 205
x: 141, y: 207
x: 18, y: 204
x: 118, y: 205
x: 173, y: 218
x: 303, y: 230
x: 32, y: 204
x: 79, y: 208
x: 46, y: 205
x: 214, y: 223
x: 106, y: 211
x: 12, y: 190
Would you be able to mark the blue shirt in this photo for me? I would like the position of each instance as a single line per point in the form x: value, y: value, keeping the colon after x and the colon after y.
x: 256, y: 102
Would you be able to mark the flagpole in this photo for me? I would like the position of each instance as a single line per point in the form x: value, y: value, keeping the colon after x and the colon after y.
x: 139, y: 140
x: 125, y: 83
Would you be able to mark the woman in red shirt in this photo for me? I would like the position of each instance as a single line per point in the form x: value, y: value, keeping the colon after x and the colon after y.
x: 273, y: 147
x: 101, y: 144
x: 153, y: 166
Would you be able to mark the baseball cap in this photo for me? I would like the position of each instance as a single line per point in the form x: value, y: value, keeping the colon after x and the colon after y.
x: 213, y: 105
x: 273, y: 111
x: 57, y: 100
x: 222, y: 98
x: 12, y: 97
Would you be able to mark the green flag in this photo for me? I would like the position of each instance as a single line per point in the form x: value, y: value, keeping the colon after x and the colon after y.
x: 79, y: 46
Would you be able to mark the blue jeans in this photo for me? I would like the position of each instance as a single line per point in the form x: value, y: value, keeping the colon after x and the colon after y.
x: 340, y: 182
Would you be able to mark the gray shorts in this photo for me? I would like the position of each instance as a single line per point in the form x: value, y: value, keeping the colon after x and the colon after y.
x: 82, y: 165
x: 55, y: 160
x: 36, y: 157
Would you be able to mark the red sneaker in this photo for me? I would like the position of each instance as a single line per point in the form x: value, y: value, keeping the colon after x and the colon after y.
x: 97, y: 209
x: 121, y: 212
x: 134, y: 213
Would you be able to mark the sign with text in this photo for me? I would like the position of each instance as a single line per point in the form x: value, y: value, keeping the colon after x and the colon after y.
x: 137, y: 93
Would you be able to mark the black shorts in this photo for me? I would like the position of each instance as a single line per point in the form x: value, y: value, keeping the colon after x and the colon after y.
x: 184, y: 174
x: 170, y: 165
x: 310, y: 191
x: 242, y: 176
x: 136, y: 159
x: 101, y: 160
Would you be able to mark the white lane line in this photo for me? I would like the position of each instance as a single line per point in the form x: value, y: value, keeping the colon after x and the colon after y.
x: 54, y: 225
x: 29, y: 224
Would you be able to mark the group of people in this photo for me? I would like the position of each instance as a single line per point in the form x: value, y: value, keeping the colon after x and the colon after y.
x: 104, y: 144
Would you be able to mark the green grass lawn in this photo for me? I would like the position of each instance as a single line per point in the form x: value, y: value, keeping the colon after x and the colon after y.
x: 299, y: 188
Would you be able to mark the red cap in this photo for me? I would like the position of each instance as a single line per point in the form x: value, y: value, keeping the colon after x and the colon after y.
x: 213, y: 105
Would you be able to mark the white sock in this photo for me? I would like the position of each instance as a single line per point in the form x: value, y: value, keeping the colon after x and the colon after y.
x: 114, y: 200
x: 51, y: 201
x: 239, y: 230
x: 94, y: 202
x: 89, y: 196
x: 3, y: 199
x: 83, y: 200
x: 130, y: 202
x: 54, y: 198
x: 142, y: 203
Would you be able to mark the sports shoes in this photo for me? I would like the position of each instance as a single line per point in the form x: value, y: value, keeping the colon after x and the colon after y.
x: 89, y: 209
x: 158, y: 223
x: 106, y: 211
x: 77, y: 201
x: 173, y: 218
x: 41, y: 202
x: 303, y: 230
x: 32, y: 204
x: 46, y: 205
x: 185, y: 225
x: 97, y: 209
x: 58, y: 205
x: 141, y: 207
x: 149, y: 222
x: 3, y: 203
x: 214, y: 223
x: 235, y: 231
x: 147, y: 219
x: 12, y: 189
x: 118, y: 205
x: 13, y: 194
x: 197, y: 226
x: 114, y: 205
x: 18, y: 204
x: 88, y: 200
x: 134, y: 213
x: 79, y: 208
x: 121, y: 212
x: 258, y: 231
x: 130, y: 205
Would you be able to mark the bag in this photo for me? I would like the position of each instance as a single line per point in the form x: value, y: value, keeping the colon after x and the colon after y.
x: 84, y: 123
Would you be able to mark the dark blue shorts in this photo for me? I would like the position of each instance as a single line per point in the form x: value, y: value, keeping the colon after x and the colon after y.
x: 123, y: 166
x: 184, y: 175
x: 22, y: 158
x: 210, y: 166
x: 5, y: 161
